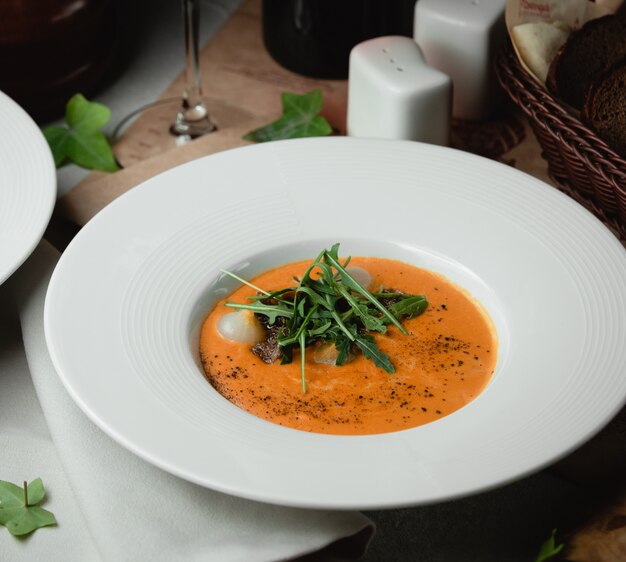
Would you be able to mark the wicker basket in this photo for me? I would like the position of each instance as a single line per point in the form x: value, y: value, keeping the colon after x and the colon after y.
x: 579, y: 162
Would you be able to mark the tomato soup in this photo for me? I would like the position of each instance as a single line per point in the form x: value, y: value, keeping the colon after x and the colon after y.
x: 445, y: 362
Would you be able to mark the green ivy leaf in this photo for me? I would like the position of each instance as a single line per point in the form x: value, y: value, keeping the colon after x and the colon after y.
x: 86, y: 116
x: 299, y: 119
x: 58, y: 140
x: 82, y: 142
x: 305, y: 104
x: 19, y: 511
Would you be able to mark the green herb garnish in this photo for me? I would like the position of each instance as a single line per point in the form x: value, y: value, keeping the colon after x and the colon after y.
x: 300, y: 118
x: 549, y: 548
x: 19, y: 511
x: 331, y: 307
x: 82, y: 142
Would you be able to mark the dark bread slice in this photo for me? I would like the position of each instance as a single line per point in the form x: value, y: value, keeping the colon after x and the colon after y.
x: 604, y: 109
x: 586, y: 55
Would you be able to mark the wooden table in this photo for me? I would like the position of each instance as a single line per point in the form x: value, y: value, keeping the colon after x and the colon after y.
x: 243, y: 86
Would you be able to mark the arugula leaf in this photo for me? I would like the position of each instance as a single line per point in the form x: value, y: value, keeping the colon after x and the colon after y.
x: 302, y: 342
x: 297, y: 336
x: 409, y: 307
x: 286, y: 355
x: 369, y: 348
x: 344, y: 346
x: 231, y: 274
x: 271, y: 311
x: 82, y: 142
x: 371, y: 322
x: 549, y: 548
x: 320, y: 328
x: 299, y: 119
x: 353, y: 284
x: 19, y: 511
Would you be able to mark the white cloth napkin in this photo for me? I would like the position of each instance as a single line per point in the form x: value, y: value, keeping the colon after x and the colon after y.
x: 110, y: 504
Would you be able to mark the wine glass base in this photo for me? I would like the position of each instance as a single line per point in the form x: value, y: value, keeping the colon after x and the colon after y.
x: 193, y: 128
x: 153, y: 129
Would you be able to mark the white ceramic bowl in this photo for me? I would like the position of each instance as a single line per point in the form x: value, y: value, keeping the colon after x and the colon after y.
x: 126, y: 300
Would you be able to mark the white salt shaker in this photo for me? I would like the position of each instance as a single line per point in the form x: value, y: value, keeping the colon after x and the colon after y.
x: 461, y: 38
x: 393, y: 93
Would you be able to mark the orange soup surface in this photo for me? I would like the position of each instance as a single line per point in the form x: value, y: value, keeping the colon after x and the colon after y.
x: 446, y: 361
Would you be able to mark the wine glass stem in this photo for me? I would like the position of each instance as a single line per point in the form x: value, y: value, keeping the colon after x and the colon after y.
x: 193, y: 83
x: 193, y: 118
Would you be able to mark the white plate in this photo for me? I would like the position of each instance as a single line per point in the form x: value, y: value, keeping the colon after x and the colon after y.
x: 126, y: 300
x: 27, y: 186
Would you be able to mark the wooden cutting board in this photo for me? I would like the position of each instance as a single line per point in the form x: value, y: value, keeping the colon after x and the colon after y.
x: 242, y: 86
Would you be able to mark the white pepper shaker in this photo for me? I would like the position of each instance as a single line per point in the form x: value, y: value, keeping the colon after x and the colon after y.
x: 461, y: 38
x: 393, y: 93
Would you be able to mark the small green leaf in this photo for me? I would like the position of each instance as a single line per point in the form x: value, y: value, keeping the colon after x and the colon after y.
x: 334, y: 251
x: 549, y: 548
x: 36, y: 492
x: 286, y: 355
x: 92, y: 151
x: 409, y: 307
x: 269, y: 310
x: 344, y: 347
x: 316, y: 299
x: 58, y: 139
x: 369, y: 348
x: 351, y: 283
x: 27, y: 519
x: 301, y: 332
x: 320, y: 328
x: 371, y: 322
x: 302, y: 341
x: 299, y: 119
x: 85, y: 116
x: 11, y: 496
x: 305, y: 104
x: 17, y: 514
x: 82, y: 142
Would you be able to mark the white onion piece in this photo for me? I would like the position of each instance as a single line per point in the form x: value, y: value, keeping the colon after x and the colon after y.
x: 326, y: 354
x: 240, y: 326
x: 361, y: 276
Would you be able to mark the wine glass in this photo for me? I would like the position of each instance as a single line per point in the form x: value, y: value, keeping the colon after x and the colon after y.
x: 193, y: 118
x: 169, y: 122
